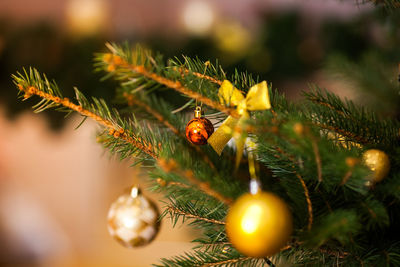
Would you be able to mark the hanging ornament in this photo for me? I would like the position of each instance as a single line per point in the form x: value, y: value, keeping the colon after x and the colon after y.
x: 378, y: 162
x: 133, y: 219
x: 199, y: 128
x: 258, y: 224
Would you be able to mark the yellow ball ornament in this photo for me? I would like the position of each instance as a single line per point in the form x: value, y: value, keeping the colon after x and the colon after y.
x: 259, y: 225
x: 378, y: 162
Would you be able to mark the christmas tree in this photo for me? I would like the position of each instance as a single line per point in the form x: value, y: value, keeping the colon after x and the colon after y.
x: 309, y: 183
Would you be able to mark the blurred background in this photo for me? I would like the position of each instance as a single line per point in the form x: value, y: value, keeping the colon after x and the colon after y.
x: 56, y: 184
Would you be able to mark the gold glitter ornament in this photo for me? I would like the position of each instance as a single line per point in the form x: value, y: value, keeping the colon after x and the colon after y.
x: 378, y: 162
x: 259, y: 225
x: 133, y: 219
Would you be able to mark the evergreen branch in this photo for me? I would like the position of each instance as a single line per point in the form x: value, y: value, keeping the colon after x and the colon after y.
x: 201, y: 258
x: 340, y: 254
x: 197, y: 74
x: 131, y: 100
x: 211, y: 79
x: 118, y: 62
x: 115, y: 130
x: 306, y: 192
x: 353, y: 123
x: 194, y: 203
x: 186, y: 214
x: 225, y: 262
x: 177, y: 86
x: 344, y: 133
x: 340, y: 225
x: 172, y: 166
x: 164, y: 183
x: 204, y: 70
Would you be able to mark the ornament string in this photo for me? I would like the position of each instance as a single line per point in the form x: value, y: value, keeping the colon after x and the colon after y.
x: 255, y: 183
x: 206, y: 64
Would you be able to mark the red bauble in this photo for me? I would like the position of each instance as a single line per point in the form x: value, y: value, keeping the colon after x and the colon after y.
x: 198, y: 130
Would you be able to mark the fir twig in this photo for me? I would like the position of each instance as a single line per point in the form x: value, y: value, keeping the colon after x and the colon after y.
x: 346, y: 134
x: 202, y: 76
x: 226, y: 262
x: 306, y: 192
x: 131, y: 100
x: 188, y: 215
x: 172, y: 166
x: 354, y: 124
x: 163, y: 183
x: 115, y: 130
x: 175, y: 85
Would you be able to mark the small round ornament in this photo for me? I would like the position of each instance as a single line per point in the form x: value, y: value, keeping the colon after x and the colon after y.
x: 133, y: 219
x: 199, y: 129
x: 378, y: 162
x: 259, y: 225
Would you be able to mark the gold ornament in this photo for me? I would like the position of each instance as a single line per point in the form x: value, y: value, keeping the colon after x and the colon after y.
x: 259, y: 225
x: 199, y: 128
x: 133, y: 219
x: 256, y: 99
x: 378, y: 162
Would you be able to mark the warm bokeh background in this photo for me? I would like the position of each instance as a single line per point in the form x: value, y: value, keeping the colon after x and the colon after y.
x: 56, y: 184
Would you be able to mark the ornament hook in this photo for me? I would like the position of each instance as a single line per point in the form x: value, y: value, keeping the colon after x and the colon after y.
x: 135, y: 191
x: 197, y: 112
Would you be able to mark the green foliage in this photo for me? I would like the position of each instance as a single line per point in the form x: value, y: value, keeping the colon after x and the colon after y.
x: 307, y: 154
x: 213, y: 258
x: 354, y: 123
x: 34, y: 79
x: 340, y: 225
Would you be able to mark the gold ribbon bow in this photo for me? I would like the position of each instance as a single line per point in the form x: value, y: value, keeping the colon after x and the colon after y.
x: 256, y: 99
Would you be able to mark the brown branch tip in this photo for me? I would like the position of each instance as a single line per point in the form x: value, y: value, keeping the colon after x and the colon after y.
x: 114, y: 130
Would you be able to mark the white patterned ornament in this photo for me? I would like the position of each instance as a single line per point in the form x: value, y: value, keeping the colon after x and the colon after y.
x: 133, y: 219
